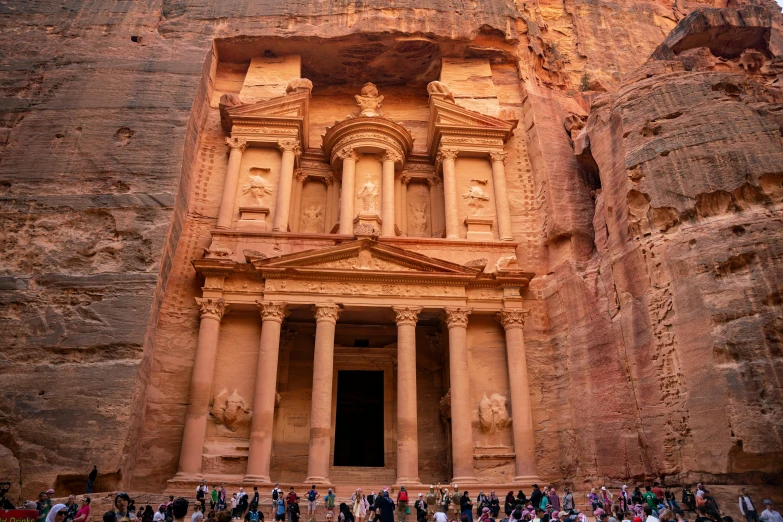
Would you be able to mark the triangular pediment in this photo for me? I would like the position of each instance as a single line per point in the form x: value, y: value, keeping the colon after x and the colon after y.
x: 291, y: 105
x: 278, y: 117
x: 363, y: 256
x: 447, y: 117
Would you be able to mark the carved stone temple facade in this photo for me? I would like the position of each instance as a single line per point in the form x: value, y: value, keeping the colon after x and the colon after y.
x: 364, y: 268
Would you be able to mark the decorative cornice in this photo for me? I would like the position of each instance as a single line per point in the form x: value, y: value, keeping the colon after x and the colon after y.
x: 456, y: 317
x: 211, y: 308
x: 512, y: 317
x: 236, y: 143
x: 407, y: 314
x: 498, y: 155
x: 326, y: 313
x: 289, y: 146
x: 272, y: 311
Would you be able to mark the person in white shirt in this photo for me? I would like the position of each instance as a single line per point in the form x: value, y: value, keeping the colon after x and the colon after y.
x: 197, y: 515
x: 769, y: 514
x: 160, y: 515
x: 747, y: 508
x: 440, y: 516
x: 649, y: 515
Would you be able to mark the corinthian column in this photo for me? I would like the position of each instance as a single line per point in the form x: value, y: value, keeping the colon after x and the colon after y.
x: 448, y: 157
x: 290, y: 149
x: 387, y: 192
x: 461, y: 427
x: 296, y: 200
x: 212, y: 311
x: 407, y: 419
x: 404, y: 181
x: 513, y: 321
x: 501, y: 195
x: 260, y: 452
x: 321, y: 409
x: 236, y: 146
x: 349, y: 158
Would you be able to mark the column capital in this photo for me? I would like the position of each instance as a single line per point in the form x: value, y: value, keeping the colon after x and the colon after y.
x: 498, y: 156
x: 405, y: 179
x: 327, y: 312
x: 433, y: 181
x: 289, y: 146
x: 347, y: 153
x: 211, y: 308
x: 445, y: 153
x: 301, y: 176
x: 390, y: 155
x: 272, y: 311
x: 329, y: 179
x: 407, y: 314
x: 512, y: 317
x: 236, y: 143
x: 456, y: 316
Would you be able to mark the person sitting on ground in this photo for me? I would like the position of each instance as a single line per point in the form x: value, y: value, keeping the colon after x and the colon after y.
x: 688, y: 498
x: 595, y: 500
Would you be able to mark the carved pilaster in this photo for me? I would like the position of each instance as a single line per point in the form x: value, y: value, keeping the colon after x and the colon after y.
x: 407, y: 314
x: 211, y: 308
x: 272, y: 311
x: 236, y: 143
x: 512, y: 317
x: 289, y: 146
x: 498, y: 155
x: 456, y: 317
x: 326, y: 312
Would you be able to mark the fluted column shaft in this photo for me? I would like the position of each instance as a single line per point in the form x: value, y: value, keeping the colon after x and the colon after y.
x: 448, y: 158
x: 387, y: 206
x: 226, y: 212
x: 212, y: 311
x: 407, y: 418
x: 330, y: 204
x: 398, y: 203
x: 432, y: 183
x: 321, y: 409
x: 290, y: 149
x: 347, y: 191
x: 404, y: 180
x: 260, y: 452
x: 501, y: 195
x: 296, y: 201
x: 513, y: 321
x: 461, y: 427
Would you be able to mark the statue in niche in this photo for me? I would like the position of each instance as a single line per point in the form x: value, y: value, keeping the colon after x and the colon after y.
x: 230, y: 410
x: 369, y: 197
x: 312, y: 218
x: 493, y: 414
x: 419, y: 217
x: 369, y: 100
x: 257, y: 187
x: 476, y: 196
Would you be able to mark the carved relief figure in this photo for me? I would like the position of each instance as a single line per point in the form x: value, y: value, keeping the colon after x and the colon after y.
x: 493, y: 414
x: 476, y: 197
x: 257, y: 187
x: 313, y: 219
x: 419, y: 217
x: 369, y: 100
x: 230, y: 410
x: 369, y: 197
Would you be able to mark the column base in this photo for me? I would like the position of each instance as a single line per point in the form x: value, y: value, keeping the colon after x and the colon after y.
x: 526, y: 479
x: 257, y: 479
x: 507, y: 239
x: 469, y: 480
x: 403, y: 481
x: 182, y: 476
x: 319, y: 481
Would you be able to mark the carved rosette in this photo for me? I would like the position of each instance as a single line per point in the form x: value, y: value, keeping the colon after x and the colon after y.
x: 446, y: 153
x: 407, y: 314
x: 326, y: 312
x: 291, y: 146
x: 236, y: 144
x: 211, y: 308
x: 499, y: 156
x: 457, y: 317
x: 512, y: 317
x: 272, y: 311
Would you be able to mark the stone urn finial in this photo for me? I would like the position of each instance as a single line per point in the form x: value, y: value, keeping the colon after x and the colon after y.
x: 369, y: 101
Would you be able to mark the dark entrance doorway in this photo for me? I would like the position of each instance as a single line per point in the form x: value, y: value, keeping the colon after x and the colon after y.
x: 358, y: 433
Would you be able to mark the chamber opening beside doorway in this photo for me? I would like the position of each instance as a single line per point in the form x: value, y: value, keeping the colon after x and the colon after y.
x: 358, y: 434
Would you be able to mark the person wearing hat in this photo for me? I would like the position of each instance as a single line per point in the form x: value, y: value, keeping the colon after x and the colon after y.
x: 160, y: 515
x: 769, y: 514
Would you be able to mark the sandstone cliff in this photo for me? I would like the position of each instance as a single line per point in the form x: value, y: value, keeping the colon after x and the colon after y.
x: 656, y: 342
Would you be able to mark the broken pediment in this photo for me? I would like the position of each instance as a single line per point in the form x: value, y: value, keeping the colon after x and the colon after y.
x: 453, y: 124
x: 364, y: 255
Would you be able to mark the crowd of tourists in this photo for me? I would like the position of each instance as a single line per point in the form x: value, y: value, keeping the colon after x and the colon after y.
x: 651, y: 503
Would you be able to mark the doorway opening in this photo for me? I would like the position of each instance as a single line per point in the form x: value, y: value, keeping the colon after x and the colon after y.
x: 358, y: 433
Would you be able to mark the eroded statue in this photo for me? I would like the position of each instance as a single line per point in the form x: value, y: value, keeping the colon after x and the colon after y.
x: 369, y: 197
x: 440, y: 88
x: 418, y: 217
x: 230, y: 410
x: 313, y: 218
x: 256, y: 188
x: 493, y: 414
x: 476, y: 198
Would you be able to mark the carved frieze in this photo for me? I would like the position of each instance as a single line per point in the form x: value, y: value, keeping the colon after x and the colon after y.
x: 353, y: 289
x: 364, y: 261
x: 275, y: 131
x: 216, y: 252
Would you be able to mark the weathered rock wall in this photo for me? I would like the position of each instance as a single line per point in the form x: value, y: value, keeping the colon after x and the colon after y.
x: 102, y: 109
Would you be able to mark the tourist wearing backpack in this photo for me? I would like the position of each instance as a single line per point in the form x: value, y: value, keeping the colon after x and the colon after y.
x: 329, y: 501
x: 279, y: 505
x: 402, y: 504
x: 312, y: 496
x: 254, y: 515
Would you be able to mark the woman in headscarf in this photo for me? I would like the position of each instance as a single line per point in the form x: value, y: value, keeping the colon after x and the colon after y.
x: 554, y: 500
x: 57, y: 513
x: 494, y: 504
x: 148, y: 514
x: 624, y: 499
x: 345, y: 513
x: 508, y: 507
x: 521, y: 498
x: 466, y: 506
x: 606, y: 498
x: 484, y: 517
